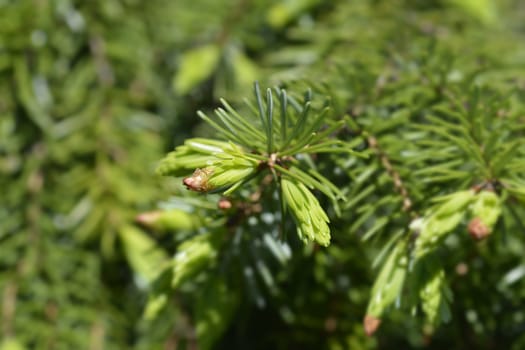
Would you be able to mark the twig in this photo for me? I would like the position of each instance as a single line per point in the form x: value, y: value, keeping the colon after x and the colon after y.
x: 398, y: 183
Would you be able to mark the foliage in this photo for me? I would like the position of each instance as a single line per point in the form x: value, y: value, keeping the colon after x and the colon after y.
x: 375, y: 186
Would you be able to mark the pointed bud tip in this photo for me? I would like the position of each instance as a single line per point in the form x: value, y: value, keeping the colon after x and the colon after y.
x: 190, y: 183
x: 478, y: 229
x: 371, y: 324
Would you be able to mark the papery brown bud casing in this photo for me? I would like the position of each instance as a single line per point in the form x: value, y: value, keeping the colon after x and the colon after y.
x: 478, y: 229
x: 371, y: 324
x: 199, y: 180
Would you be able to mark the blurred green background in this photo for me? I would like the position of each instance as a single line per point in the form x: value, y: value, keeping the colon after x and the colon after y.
x: 94, y: 93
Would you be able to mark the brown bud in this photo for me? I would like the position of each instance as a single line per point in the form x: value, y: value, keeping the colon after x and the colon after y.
x: 477, y: 229
x: 371, y: 324
x: 461, y: 269
x: 199, y: 180
x: 224, y: 204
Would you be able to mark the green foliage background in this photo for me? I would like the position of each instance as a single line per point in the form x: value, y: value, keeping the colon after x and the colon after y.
x: 94, y: 93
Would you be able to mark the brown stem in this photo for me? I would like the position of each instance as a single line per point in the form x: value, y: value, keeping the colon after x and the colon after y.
x: 398, y: 183
x: 231, y: 20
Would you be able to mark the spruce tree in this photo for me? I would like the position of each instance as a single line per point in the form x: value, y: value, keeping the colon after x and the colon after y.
x: 262, y: 174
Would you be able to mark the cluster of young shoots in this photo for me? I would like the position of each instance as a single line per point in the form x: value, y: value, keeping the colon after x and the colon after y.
x: 266, y: 139
x: 416, y: 263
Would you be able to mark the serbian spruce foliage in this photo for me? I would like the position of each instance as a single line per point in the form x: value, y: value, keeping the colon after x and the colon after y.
x: 298, y: 174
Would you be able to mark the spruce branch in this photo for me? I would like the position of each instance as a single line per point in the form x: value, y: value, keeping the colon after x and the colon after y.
x: 226, y: 166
